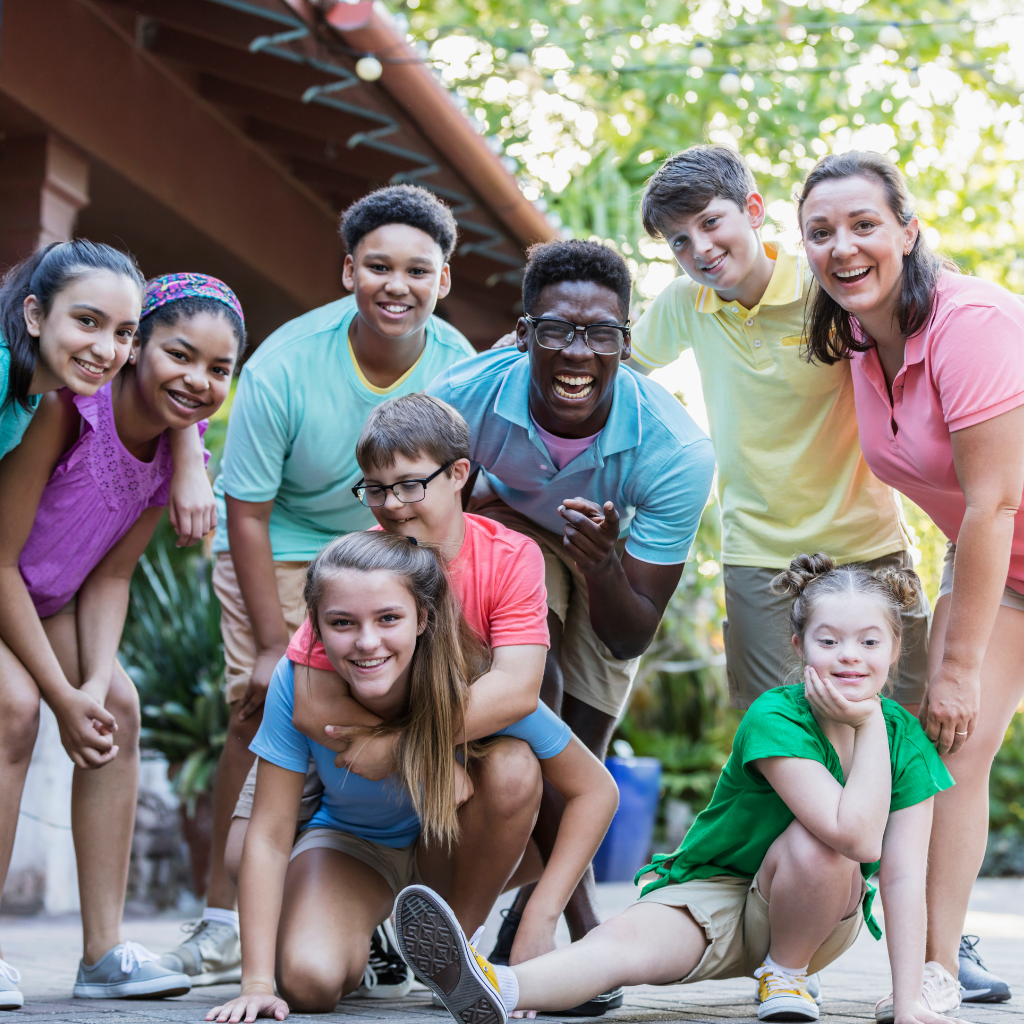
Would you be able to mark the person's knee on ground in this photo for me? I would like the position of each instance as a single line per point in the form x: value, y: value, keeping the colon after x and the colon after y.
x: 233, y: 848
x: 311, y: 983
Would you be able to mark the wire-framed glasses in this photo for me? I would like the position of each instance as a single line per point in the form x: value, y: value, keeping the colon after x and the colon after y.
x: 551, y: 333
x: 406, y: 491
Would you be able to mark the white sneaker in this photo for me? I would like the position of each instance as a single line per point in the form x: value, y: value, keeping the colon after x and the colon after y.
x: 210, y: 955
x: 11, y: 997
x: 940, y: 993
x: 784, y: 997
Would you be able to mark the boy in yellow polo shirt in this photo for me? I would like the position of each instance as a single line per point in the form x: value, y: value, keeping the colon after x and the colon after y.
x: 791, y: 476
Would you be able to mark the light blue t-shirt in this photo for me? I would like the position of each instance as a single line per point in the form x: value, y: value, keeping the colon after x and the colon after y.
x: 650, y: 459
x: 379, y: 811
x: 14, y: 418
x: 298, y: 411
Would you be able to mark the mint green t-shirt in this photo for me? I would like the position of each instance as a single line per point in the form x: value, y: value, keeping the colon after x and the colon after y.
x: 733, y: 833
x: 299, y: 408
x: 14, y: 418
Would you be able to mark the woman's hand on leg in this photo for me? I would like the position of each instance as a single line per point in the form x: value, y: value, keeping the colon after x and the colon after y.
x: 248, y: 1007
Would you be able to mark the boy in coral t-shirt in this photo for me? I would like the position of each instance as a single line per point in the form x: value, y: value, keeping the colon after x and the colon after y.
x: 414, y: 451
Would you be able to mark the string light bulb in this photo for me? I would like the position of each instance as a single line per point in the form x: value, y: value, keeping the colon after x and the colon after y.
x: 368, y: 68
x: 701, y: 56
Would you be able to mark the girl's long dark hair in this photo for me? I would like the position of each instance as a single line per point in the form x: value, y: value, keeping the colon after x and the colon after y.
x: 45, y: 274
x: 828, y: 329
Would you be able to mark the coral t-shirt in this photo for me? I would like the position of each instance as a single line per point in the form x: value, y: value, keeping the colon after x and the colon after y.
x: 498, y: 576
x: 964, y: 367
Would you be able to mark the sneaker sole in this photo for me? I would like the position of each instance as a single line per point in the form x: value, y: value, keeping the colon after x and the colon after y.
x: 787, y: 1008
x: 596, y: 1007
x: 12, y: 999
x: 431, y: 940
x: 157, y: 988
x: 231, y: 977
x: 985, y: 995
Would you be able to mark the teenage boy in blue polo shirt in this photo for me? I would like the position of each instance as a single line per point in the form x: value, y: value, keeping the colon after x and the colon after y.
x: 603, y: 468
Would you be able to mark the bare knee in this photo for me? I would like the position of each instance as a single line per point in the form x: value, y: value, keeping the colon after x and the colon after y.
x: 314, y: 987
x: 20, y: 721
x: 123, y: 703
x: 509, y: 778
x: 809, y: 857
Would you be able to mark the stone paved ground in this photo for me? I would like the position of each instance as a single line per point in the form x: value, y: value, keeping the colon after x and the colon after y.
x: 46, y: 951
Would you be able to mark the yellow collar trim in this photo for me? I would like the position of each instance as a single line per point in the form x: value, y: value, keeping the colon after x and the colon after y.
x: 785, y: 286
x: 373, y: 387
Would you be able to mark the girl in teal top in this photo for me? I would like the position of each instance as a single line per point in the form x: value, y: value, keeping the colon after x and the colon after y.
x: 68, y: 315
x: 825, y: 782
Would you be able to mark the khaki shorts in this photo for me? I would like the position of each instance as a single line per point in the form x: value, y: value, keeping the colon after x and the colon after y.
x: 312, y: 790
x: 1011, y: 598
x: 397, y: 865
x: 235, y: 627
x: 758, y: 641
x: 734, y: 916
x: 589, y: 670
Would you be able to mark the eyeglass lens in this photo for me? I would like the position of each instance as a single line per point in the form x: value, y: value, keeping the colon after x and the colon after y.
x: 406, y: 492
x: 560, y: 335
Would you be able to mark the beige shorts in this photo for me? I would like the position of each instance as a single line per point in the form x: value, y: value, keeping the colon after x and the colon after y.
x: 589, y: 670
x: 1011, y: 598
x: 397, y: 865
x: 734, y: 916
x: 235, y: 627
x: 312, y: 790
x: 758, y: 641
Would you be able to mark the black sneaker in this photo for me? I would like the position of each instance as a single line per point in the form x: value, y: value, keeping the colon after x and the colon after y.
x: 978, y: 983
x: 506, y: 937
x: 387, y: 975
x: 596, y: 1007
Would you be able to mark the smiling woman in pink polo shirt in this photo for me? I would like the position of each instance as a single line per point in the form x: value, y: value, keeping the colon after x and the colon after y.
x: 938, y: 371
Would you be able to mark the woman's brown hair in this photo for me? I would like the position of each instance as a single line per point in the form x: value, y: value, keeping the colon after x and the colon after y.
x: 828, y: 328
x: 448, y: 657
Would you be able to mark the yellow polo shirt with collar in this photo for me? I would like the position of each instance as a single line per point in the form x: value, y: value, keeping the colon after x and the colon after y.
x: 791, y: 476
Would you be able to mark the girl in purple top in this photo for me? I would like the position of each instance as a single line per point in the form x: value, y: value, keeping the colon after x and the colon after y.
x: 79, y: 499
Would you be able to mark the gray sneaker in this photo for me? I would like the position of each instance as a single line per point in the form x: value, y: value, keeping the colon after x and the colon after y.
x: 128, y: 971
x: 211, y: 955
x: 11, y: 997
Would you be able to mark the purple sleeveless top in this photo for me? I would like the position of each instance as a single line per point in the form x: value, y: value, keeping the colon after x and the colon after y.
x: 93, y: 498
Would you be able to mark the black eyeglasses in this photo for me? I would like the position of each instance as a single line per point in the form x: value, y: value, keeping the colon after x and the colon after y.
x: 406, y: 491
x: 603, y: 339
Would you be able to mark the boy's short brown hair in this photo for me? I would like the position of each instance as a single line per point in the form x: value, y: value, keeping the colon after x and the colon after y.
x: 412, y: 425
x: 685, y: 183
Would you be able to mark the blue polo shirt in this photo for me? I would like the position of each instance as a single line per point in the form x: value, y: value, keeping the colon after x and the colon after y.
x: 651, y: 459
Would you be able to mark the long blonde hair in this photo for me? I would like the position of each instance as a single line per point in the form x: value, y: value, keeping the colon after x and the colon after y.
x: 448, y: 657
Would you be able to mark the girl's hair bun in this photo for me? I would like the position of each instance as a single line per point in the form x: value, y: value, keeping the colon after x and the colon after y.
x: 905, y: 584
x: 804, y: 569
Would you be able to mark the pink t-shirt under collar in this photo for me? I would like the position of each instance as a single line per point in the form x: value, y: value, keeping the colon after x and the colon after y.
x: 563, y: 449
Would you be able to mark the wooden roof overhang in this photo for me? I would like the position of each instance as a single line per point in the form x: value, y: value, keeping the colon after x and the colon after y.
x: 246, y: 119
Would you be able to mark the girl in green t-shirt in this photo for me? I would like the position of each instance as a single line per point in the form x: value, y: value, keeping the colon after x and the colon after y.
x: 826, y: 782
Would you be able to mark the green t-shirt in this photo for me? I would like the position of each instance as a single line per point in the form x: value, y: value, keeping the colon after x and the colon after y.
x: 14, y: 418
x: 733, y: 833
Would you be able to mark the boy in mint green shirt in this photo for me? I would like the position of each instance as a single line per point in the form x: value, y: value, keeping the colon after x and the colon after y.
x: 285, y: 487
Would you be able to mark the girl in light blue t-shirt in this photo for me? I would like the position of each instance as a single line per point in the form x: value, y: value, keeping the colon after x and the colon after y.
x: 393, y: 630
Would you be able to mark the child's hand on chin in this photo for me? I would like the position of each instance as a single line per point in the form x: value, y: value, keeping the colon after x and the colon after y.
x: 917, y: 1014
x: 824, y: 698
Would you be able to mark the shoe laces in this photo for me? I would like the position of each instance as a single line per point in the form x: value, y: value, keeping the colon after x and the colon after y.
x: 9, y: 972
x: 935, y: 979
x: 967, y: 949
x: 776, y: 981
x: 134, y: 954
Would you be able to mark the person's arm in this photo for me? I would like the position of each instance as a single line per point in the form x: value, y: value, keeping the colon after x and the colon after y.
x: 849, y: 818
x: 253, y: 558
x: 325, y: 711
x: 86, y: 727
x: 268, y: 845
x: 591, y: 798
x: 989, y: 462
x: 190, y: 503
x: 627, y: 596
x: 103, y: 604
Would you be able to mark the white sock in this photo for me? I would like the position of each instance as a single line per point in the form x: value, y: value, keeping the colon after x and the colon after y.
x: 788, y: 972
x: 508, y: 986
x: 221, y: 916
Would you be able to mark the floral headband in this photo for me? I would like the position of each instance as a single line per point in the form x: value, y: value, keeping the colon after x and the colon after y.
x: 172, y: 287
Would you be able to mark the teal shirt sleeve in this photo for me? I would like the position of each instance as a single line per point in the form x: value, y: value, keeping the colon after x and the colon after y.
x: 14, y: 417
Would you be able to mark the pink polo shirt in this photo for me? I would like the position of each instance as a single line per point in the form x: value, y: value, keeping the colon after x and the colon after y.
x: 964, y: 367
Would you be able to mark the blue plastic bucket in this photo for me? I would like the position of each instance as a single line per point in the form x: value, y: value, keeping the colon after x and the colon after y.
x: 627, y: 846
